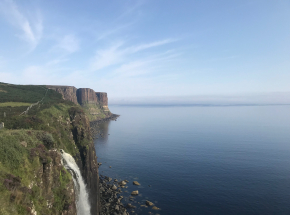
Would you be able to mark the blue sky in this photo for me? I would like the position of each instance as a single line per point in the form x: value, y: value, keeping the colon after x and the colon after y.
x: 155, y: 48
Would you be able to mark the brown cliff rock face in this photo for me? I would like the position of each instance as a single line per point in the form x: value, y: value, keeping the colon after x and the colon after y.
x: 68, y: 92
x: 86, y: 95
x: 82, y: 95
x: 86, y: 159
x: 103, y: 98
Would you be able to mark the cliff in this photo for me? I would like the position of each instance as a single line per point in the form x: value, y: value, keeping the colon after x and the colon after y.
x: 95, y: 104
x: 81, y: 96
x: 87, y: 96
x: 103, y: 99
x: 68, y: 93
x: 86, y: 159
x: 32, y: 177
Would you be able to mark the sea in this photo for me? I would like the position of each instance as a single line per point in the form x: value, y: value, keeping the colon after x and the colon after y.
x: 200, y: 159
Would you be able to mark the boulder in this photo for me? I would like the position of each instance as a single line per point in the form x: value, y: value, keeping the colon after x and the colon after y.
x: 149, y: 203
x: 123, y: 183
x: 117, y: 208
x: 129, y: 205
x: 155, y: 208
x: 136, y: 183
x: 134, y: 193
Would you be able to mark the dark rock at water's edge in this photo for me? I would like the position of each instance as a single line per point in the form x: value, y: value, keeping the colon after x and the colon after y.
x: 111, y: 117
x: 110, y: 197
x: 94, y: 124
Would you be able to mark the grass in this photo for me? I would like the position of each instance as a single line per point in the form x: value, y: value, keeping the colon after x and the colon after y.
x: 94, y: 112
x: 17, y: 160
x: 46, y: 126
x: 14, y: 104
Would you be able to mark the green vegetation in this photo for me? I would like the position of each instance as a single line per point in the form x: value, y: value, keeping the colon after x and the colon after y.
x: 25, y: 143
x: 16, y: 162
x: 94, y: 112
x: 14, y: 104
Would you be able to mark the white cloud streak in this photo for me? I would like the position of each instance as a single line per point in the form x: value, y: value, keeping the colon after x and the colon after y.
x: 114, y: 54
x: 31, y: 27
x: 69, y: 43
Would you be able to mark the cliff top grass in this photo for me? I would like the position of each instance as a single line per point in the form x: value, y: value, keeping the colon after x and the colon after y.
x: 21, y: 93
x: 14, y: 104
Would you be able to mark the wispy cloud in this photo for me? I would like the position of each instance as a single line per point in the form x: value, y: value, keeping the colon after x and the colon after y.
x: 151, y: 64
x: 105, y: 34
x: 30, y: 26
x: 116, y: 54
x: 56, y: 61
x: 107, y: 57
x: 141, y: 47
x: 69, y: 43
x: 65, y: 45
x: 131, y: 9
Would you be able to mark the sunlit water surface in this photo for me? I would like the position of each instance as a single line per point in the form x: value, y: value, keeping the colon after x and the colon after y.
x: 201, y: 160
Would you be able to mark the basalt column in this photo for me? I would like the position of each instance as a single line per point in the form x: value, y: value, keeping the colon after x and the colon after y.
x: 103, y: 100
x: 86, y: 95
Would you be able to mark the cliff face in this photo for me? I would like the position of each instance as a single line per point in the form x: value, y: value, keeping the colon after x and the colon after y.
x: 103, y: 99
x: 82, y: 95
x: 68, y: 93
x: 86, y: 159
x: 86, y: 95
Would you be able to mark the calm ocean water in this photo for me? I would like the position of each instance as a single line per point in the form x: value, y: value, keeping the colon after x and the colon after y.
x: 201, y: 160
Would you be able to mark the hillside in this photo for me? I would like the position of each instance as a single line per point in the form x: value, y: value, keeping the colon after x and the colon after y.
x: 32, y: 178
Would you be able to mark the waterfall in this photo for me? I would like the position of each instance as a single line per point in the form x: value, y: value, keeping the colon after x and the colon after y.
x: 82, y: 197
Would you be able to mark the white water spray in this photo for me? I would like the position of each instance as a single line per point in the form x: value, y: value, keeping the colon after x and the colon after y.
x: 82, y: 197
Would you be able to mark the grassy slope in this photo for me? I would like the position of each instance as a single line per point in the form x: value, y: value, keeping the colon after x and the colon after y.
x: 14, y: 104
x: 94, y: 112
x: 47, y: 124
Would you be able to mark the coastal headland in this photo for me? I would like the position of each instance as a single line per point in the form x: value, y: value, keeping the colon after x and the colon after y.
x: 38, y: 121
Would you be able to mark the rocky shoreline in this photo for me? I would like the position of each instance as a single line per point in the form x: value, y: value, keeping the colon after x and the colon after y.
x: 112, y: 201
x: 110, y: 193
x: 94, y: 124
x: 111, y: 198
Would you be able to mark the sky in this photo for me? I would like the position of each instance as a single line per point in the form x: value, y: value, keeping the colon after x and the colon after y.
x: 165, y: 50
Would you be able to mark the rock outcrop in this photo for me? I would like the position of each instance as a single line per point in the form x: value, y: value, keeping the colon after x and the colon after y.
x: 82, y: 95
x: 86, y: 159
x: 68, y: 92
x: 87, y: 96
x: 103, y: 100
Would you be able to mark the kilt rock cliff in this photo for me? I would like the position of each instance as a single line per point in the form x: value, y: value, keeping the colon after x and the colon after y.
x: 48, y: 163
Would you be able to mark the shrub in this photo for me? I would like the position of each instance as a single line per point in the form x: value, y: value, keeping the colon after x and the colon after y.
x: 47, y: 139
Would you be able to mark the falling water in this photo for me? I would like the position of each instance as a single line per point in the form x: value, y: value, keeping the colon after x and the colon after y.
x: 82, y: 199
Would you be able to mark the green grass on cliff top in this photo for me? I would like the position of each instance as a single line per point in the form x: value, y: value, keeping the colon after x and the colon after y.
x: 14, y: 104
